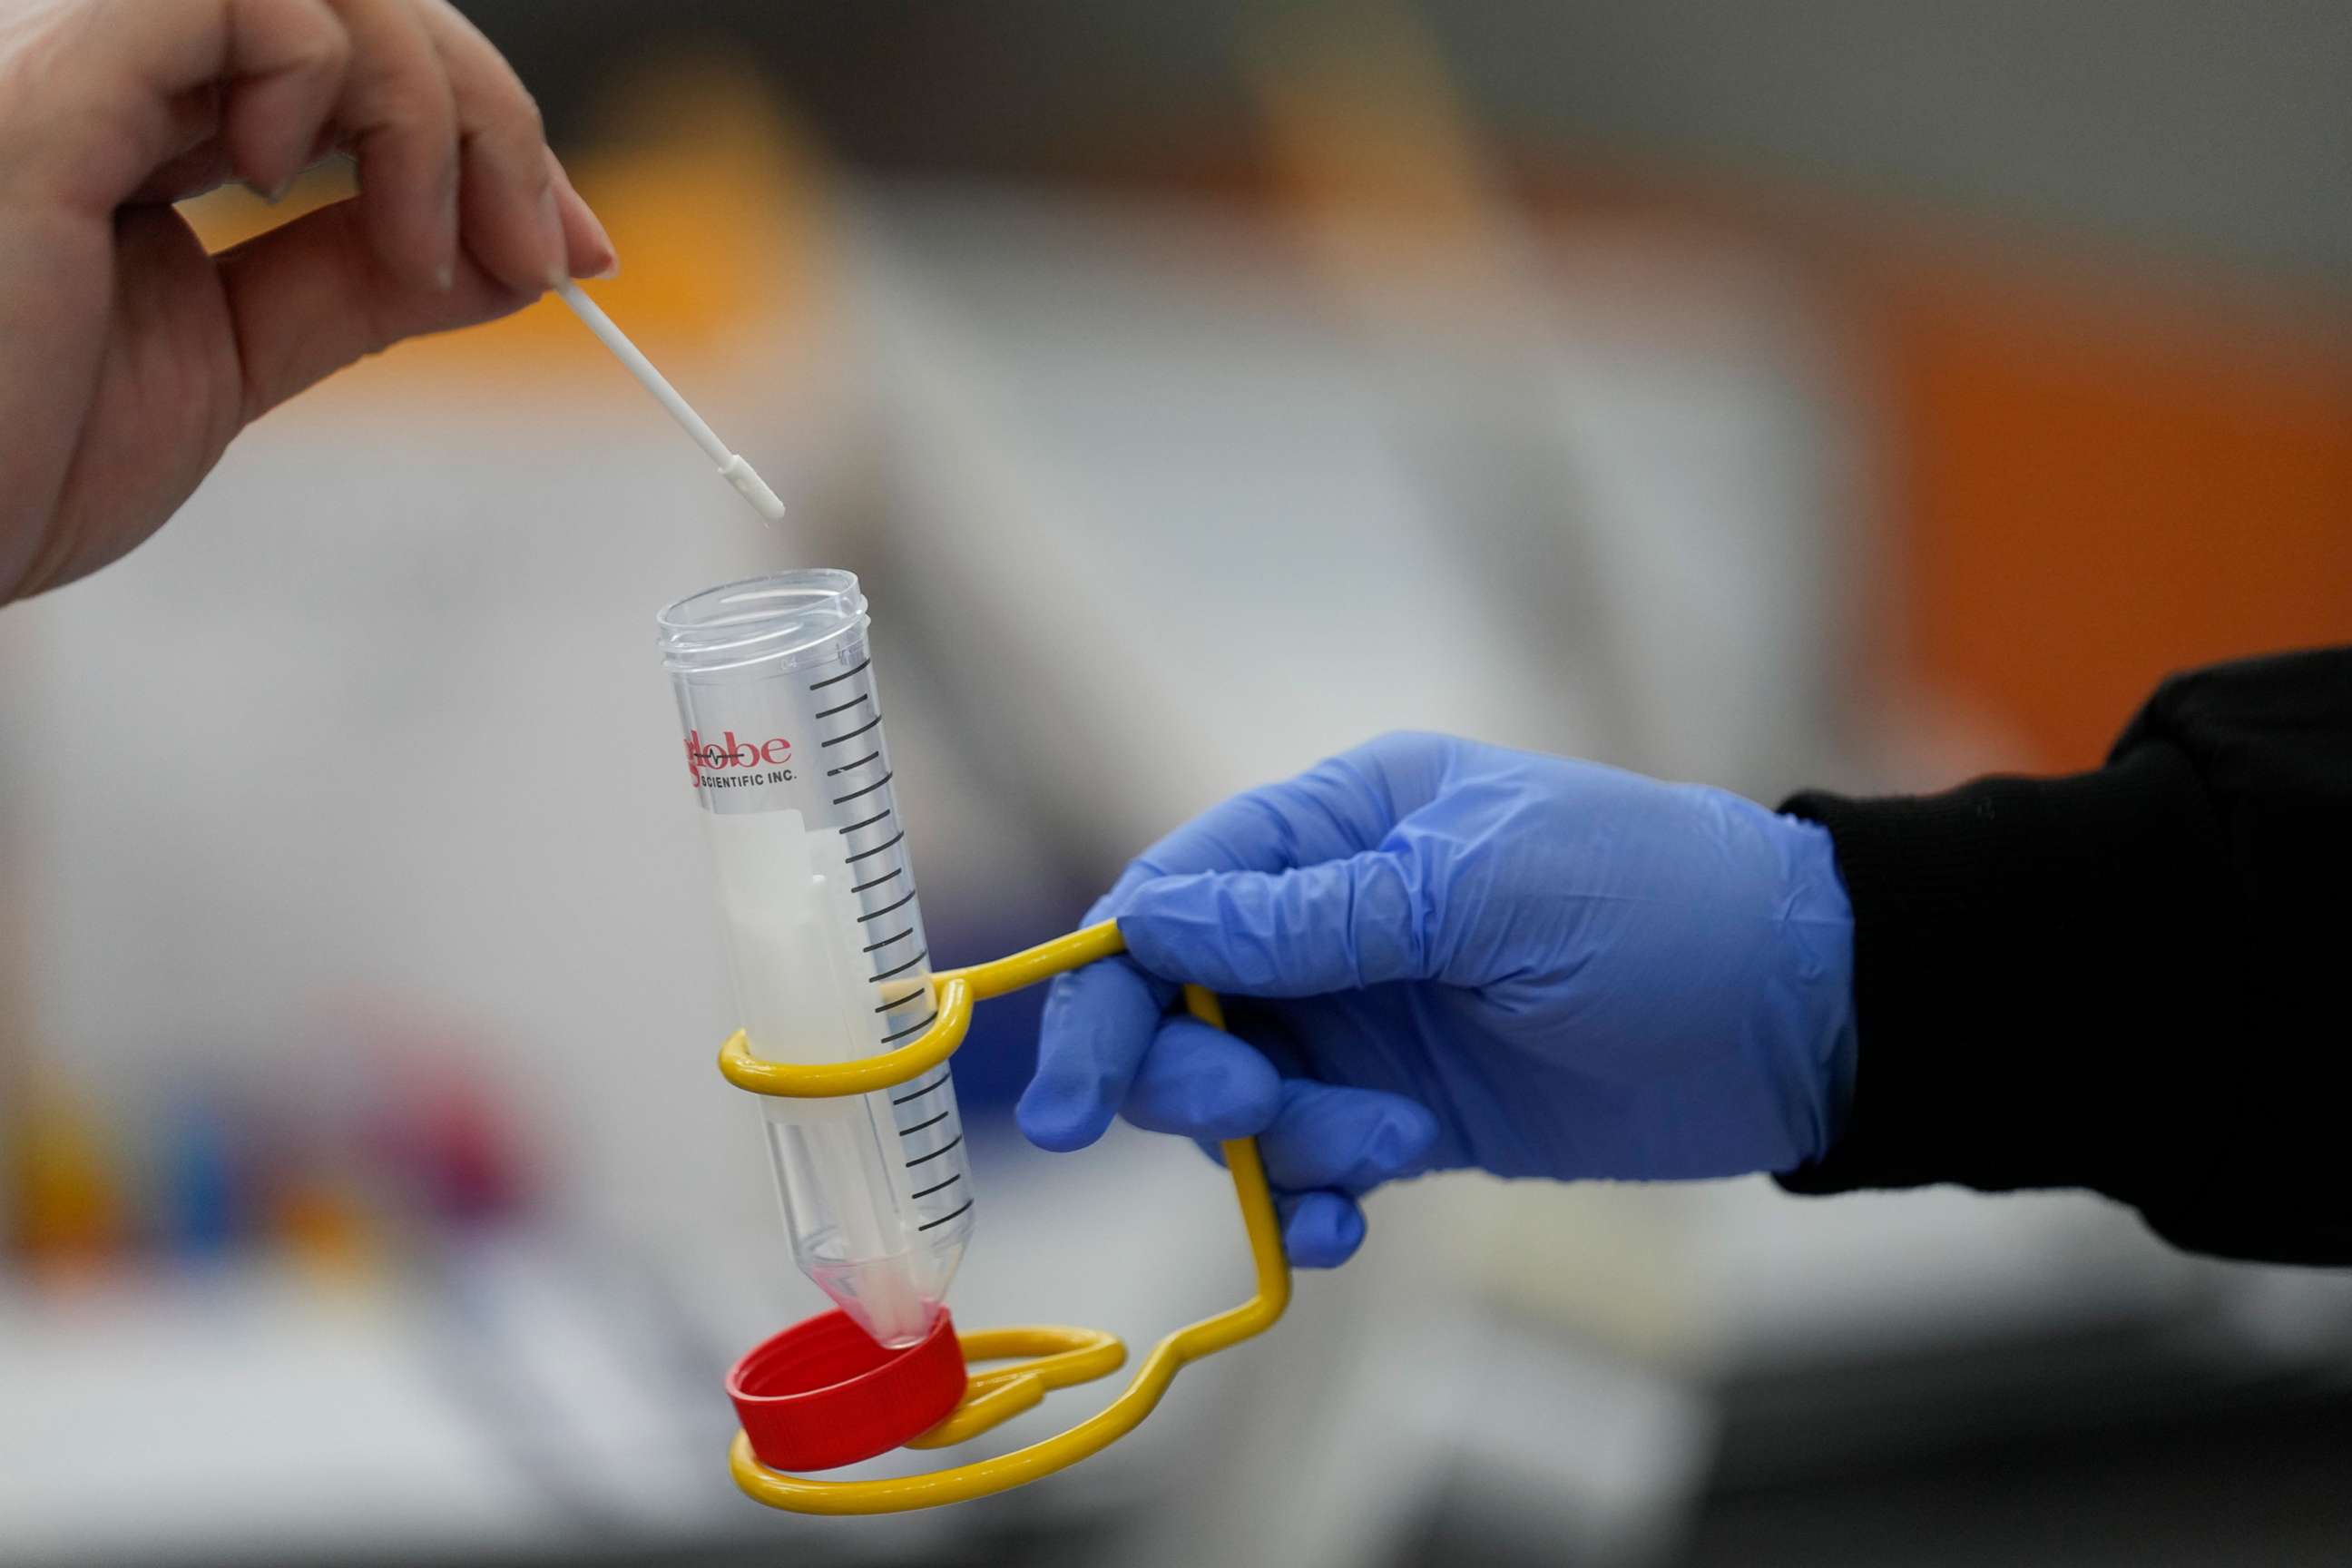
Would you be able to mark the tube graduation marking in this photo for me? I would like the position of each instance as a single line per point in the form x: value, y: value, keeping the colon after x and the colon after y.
x: 885, y: 909
x: 899, y: 969
x: 915, y: 1029
x: 845, y: 675
x: 877, y: 849
x: 874, y: 723
x: 870, y: 789
x: 919, y: 1094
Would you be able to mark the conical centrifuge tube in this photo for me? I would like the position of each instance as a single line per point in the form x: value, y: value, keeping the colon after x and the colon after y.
x: 783, y: 743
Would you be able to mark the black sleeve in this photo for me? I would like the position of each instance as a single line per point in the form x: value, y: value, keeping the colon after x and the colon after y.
x: 2129, y: 980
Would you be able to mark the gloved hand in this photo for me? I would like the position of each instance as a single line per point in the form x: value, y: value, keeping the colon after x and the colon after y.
x: 1436, y: 953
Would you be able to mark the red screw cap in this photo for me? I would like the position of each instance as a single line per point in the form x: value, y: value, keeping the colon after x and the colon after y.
x: 823, y: 1394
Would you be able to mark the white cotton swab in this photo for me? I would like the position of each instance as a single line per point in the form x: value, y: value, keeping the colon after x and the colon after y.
x: 732, y: 467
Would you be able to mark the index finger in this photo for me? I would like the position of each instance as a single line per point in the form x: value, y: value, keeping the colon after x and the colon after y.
x: 508, y: 207
x: 1341, y: 807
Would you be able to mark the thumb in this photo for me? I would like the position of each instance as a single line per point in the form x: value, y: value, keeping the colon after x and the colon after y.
x: 308, y: 298
x: 1337, y: 925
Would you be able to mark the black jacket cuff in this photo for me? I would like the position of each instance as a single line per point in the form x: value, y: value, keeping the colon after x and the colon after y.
x: 2018, y: 945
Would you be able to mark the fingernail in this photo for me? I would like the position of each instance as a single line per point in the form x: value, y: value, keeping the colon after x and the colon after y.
x: 444, y: 277
x: 612, y: 268
x: 551, y: 234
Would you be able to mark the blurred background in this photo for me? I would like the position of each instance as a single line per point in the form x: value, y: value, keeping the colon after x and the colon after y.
x: 1838, y: 392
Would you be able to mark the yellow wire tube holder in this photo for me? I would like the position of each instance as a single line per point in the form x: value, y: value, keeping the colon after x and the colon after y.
x: 1057, y: 1357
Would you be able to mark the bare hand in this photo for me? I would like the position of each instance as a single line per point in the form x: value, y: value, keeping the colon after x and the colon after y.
x: 129, y: 357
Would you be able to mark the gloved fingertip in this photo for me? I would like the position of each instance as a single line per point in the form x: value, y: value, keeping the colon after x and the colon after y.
x: 1336, y: 1137
x: 1098, y: 1024
x: 1405, y: 1140
x: 1055, y: 1122
x: 1166, y: 922
x: 1238, y: 1099
x: 1200, y: 1082
x: 1322, y: 1230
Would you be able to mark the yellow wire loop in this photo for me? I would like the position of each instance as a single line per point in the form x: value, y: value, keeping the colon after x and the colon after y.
x: 953, y: 990
x: 1058, y: 1358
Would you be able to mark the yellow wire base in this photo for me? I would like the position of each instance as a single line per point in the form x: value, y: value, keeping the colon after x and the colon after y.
x: 1056, y: 1357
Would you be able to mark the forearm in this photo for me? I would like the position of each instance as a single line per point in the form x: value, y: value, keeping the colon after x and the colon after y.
x: 2119, y: 980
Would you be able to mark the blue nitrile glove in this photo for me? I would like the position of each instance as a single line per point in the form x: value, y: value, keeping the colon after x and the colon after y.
x: 1442, y: 954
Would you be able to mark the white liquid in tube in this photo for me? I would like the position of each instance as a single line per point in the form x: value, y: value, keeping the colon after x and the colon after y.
x: 824, y: 929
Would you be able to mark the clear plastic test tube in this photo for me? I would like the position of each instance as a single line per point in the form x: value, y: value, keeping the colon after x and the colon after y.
x: 783, y: 743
